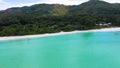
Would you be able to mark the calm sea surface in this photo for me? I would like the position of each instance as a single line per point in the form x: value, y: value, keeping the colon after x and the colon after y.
x: 82, y: 50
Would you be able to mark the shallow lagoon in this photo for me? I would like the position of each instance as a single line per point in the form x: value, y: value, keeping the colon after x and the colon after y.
x: 81, y: 50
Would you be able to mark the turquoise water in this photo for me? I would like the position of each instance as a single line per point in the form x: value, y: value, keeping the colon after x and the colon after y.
x: 82, y: 50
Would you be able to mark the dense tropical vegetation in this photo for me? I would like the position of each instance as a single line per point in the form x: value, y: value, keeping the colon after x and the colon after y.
x: 51, y: 18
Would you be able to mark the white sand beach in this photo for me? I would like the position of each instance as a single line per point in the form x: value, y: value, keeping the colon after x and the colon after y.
x: 6, y: 38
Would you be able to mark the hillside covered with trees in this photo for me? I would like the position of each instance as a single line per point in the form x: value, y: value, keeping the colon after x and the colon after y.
x: 51, y: 18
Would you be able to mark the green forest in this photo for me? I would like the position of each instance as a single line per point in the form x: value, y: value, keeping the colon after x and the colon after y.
x: 52, y: 18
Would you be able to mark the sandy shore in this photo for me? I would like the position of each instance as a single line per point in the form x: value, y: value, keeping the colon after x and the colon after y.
x: 55, y: 34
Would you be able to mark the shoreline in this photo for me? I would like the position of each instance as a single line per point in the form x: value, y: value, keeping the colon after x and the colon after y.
x: 8, y: 38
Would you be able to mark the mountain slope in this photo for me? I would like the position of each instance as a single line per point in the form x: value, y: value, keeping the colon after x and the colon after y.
x: 96, y: 7
x: 38, y: 9
x: 50, y: 18
x: 90, y: 7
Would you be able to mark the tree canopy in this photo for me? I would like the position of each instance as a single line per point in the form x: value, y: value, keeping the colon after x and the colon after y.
x: 51, y: 18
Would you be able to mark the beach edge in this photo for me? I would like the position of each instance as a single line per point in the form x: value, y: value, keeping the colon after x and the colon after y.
x: 7, y: 38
